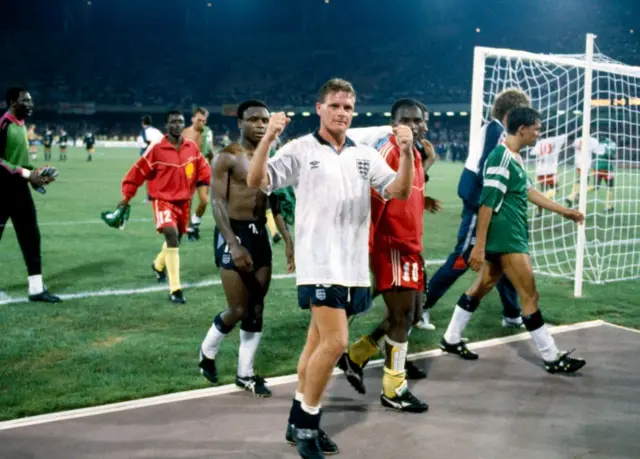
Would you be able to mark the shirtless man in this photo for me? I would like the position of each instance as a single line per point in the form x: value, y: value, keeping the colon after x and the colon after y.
x: 200, y: 133
x: 242, y: 249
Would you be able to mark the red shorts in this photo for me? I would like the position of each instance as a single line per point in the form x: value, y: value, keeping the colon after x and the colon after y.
x: 171, y: 214
x: 548, y: 180
x: 392, y: 269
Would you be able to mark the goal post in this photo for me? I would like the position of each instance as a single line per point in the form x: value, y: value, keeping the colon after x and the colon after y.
x: 590, y: 107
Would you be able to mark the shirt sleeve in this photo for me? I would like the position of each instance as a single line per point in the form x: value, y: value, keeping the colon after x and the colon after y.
x: 141, y: 171
x: 4, y: 164
x: 496, y: 177
x: 491, y: 140
x: 283, y: 168
x: 381, y: 174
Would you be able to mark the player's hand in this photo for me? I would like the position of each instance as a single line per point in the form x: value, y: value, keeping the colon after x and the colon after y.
x: 476, y: 259
x: 241, y: 258
x: 277, y: 123
x: 291, y: 259
x: 404, y: 136
x: 573, y: 214
x: 37, y: 181
x: 432, y: 205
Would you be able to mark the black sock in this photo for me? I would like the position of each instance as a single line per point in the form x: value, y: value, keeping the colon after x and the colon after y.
x: 294, y: 413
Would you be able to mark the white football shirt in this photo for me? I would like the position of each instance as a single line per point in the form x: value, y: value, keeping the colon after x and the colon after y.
x: 333, y: 206
x: 369, y: 135
x: 547, y: 152
x: 594, y: 145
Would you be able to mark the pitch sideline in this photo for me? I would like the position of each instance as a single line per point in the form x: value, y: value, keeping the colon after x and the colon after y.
x: 278, y: 381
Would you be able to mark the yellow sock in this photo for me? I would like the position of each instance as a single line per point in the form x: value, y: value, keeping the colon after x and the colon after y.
x: 161, y: 260
x: 173, y: 268
x: 551, y: 193
x: 271, y: 223
x: 609, y: 204
x: 393, y: 382
x: 362, y: 350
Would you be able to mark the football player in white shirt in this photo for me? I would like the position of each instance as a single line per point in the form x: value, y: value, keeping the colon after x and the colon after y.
x: 594, y: 145
x: 333, y: 177
x: 547, y: 152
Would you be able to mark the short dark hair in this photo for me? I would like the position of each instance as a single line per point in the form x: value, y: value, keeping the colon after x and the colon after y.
x: 335, y: 85
x: 400, y: 103
x: 146, y: 120
x: 507, y: 100
x: 521, y: 116
x: 200, y: 110
x: 247, y: 104
x: 13, y: 94
x: 171, y: 112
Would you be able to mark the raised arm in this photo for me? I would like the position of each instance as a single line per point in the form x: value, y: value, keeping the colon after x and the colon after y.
x: 258, y: 177
x: 400, y: 187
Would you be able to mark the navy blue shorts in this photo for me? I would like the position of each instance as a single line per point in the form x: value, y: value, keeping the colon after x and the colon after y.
x: 354, y: 300
x: 253, y: 236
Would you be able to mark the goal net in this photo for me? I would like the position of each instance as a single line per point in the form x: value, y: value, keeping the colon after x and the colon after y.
x: 584, y: 100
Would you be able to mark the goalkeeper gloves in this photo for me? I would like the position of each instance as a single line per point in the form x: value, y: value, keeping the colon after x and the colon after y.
x: 118, y: 218
x: 47, y: 172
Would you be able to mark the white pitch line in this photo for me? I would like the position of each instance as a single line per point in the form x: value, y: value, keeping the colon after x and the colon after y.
x: 621, y: 327
x: 6, y: 299
x: 231, y: 388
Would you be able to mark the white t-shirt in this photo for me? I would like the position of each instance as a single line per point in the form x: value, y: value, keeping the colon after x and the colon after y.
x: 333, y: 206
x: 369, y: 135
x: 547, y: 152
x: 594, y: 145
x: 153, y: 135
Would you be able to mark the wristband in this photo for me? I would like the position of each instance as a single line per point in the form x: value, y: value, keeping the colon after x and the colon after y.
x: 26, y: 173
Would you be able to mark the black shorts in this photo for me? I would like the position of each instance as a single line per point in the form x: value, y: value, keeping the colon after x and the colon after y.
x: 89, y: 146
x: 354, y: 300
x: 253, y: 236
x: 47, y: 145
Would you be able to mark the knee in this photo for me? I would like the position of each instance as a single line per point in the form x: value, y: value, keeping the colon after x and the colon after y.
x: 239, y: 312
x: 335, y: 344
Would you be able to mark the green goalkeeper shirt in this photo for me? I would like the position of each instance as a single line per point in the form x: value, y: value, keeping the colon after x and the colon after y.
x: 14, y: 146
x: 606, y: 155
x: 504, y: 189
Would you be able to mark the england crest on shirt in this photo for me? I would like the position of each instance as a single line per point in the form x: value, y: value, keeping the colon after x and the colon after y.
x: 363, y: 168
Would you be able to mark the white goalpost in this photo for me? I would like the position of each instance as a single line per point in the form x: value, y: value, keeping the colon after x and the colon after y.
x: 588, y: 156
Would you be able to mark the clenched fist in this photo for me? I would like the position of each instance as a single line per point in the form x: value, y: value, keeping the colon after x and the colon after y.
x: 277, y: 123
x: 404, y: 136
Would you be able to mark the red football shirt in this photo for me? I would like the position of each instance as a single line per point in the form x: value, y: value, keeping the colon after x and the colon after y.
x: 398, y: 224
x: 171, y: 175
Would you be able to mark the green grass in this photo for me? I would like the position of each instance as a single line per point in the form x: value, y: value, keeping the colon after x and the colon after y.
x: 105, y: 349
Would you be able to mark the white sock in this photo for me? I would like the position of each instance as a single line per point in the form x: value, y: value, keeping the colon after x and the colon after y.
x: 195, y: 220
x: 425, y: 317
x: 312, y: 410
x: 248, y: 346
x: 458, y: 323
x: 299, y: 396
x: 545, y: 343
x: 211, y: 343
x: 35, y: 284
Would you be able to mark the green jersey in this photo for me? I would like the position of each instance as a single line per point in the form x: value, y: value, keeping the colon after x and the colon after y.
x: 14, y: 146
x: 287, y: 198
x: 505, y: 189
x: 606, y: 155
x: 206, y: 140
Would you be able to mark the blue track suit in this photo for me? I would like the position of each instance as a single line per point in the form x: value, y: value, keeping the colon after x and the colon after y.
x: 469, y: 190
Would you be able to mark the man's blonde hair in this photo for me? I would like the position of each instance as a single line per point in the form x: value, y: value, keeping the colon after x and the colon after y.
x: 335, y: 85
x: 507, y: 100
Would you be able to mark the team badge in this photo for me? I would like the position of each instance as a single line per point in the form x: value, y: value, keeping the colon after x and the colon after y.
x: 363, y: 168
x: 189, y: 169
x: 321, y: 295
x: 226, y: 258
